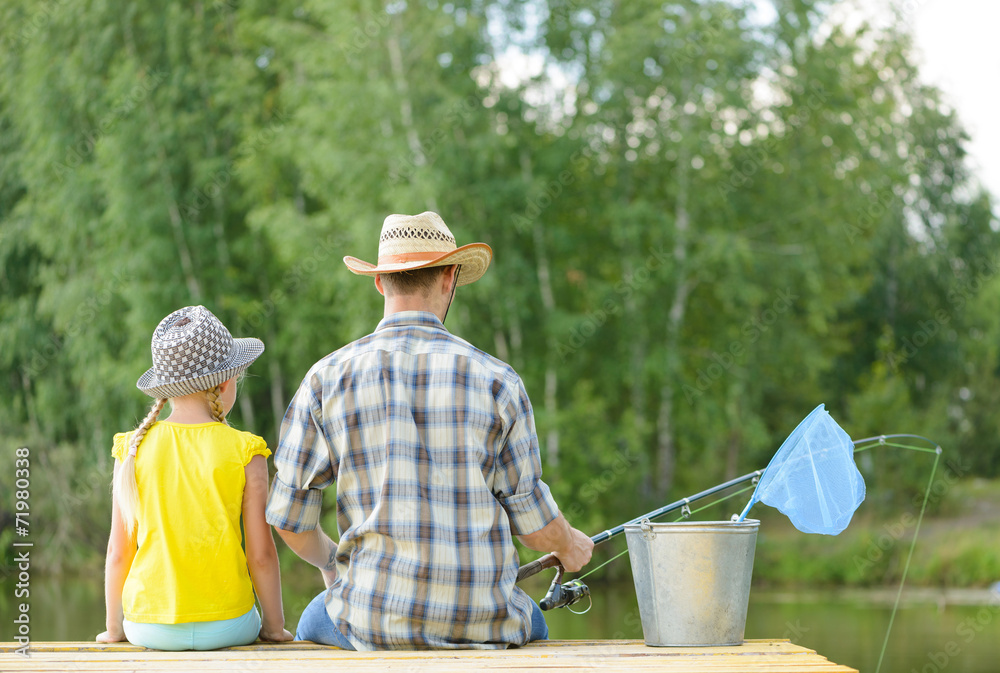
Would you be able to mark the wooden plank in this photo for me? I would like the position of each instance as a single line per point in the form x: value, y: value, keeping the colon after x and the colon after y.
x: 604, y: 665
x: 812, y: 665
x: 299, y: 657
x: 446, y: 667
x: 539, y: 665
x: 528, y: 667
x: 636, y: 646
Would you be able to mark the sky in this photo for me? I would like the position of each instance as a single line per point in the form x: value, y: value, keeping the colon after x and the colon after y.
x: 957, y: 49
x: 960, y: 46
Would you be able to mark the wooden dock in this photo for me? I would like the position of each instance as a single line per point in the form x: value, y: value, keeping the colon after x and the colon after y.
x: 301, y: 657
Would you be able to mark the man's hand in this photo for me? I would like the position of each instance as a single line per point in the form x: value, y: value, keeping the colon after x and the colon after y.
x: 577, y: 552
x: 572, y: 547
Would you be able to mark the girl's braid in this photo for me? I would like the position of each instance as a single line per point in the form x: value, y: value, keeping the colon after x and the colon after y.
x: 126, y: 490
x: 147, y: 423
x: 218, y: 413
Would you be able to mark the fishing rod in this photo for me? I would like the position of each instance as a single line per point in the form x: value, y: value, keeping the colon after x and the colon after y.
x: 561, y: 595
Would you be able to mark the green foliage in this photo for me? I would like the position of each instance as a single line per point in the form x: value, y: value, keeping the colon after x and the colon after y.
x: 702, y: 226
x: 865, y: 556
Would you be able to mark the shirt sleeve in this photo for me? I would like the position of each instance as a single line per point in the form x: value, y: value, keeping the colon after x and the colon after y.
x: 255, y: 446
x: 519, y: 486
x: 119, y: 446
x: 302, y: 462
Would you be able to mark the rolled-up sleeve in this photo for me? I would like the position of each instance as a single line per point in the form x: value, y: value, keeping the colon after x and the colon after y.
x: 304, y: 466
x: 519, y: 486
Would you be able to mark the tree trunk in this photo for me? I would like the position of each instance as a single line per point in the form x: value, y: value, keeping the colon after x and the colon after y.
x: 631, y: 243
x: 665, y: 454
x: 549, y: 304
x: 277, y: 385
x: 666, y: 450
x: 29, y: 403
x: 406, y: 113
x: 733, y: 455
x: 638, y: 386
x: 516, y: 335
x: 176, y: 222
x: 246, y: 412
x: 170, y: 191
x: 734, y: 398
x: 499, y: 339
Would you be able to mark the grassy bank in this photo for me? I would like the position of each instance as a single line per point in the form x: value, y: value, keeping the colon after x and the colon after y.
x: 956, y: 546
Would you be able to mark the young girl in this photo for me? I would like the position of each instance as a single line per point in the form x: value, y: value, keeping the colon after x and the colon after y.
x: 176, y: 575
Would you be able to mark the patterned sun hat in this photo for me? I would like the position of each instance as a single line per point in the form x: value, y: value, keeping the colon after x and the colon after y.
x: 417, y: 241
x: 193, y: 351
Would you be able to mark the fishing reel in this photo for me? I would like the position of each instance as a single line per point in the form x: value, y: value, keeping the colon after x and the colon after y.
x: 562, y: 595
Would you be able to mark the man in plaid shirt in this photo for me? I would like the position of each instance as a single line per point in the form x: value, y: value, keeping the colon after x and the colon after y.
x: 432, y: 445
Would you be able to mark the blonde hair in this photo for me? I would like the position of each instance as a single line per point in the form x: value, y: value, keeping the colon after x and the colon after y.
x: 218, y: 413
x: 126, y: 489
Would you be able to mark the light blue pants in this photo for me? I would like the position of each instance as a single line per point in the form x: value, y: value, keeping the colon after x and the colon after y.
x: 315, y: 625
x: 196, y: 635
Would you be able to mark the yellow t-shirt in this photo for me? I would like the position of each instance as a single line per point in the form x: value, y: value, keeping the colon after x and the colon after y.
x: 189, y: 565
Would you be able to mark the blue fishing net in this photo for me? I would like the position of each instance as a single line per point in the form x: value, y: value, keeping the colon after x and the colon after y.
x: 812, y: 479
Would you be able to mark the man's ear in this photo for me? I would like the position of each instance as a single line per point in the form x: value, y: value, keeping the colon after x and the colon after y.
x: 378, y: 284
x: 447, y: 278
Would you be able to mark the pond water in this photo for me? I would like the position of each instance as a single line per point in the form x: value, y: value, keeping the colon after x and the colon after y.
x: 926, y: 637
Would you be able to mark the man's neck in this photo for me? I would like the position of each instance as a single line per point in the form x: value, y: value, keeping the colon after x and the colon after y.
x: 401, y: 303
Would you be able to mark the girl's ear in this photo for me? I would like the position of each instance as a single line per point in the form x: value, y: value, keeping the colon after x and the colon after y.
x: 225, y: 384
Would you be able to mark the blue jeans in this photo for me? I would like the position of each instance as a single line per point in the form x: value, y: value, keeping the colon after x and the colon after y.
x: 315, y: 625
x: 195, y: 635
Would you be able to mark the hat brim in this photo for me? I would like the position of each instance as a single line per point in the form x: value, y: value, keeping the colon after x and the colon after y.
x: 475, y: 258
x: 242, y: 355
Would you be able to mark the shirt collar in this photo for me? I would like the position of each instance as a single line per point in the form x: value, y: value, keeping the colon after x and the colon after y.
x: 411, y: 319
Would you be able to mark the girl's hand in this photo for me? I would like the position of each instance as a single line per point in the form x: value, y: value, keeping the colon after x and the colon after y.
x: 275, y: 636
x: 111, y: 637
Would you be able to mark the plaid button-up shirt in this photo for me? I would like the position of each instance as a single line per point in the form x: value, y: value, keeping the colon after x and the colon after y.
x: 432, y: 445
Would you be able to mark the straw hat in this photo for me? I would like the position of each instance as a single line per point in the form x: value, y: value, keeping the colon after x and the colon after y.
x: 193, y: 351
x: 418, y: 241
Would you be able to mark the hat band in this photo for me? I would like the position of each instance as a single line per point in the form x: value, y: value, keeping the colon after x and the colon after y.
x: 412, y: 257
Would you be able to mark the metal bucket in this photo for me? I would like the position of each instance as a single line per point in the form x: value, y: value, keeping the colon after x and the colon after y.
x: 692, y: 580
